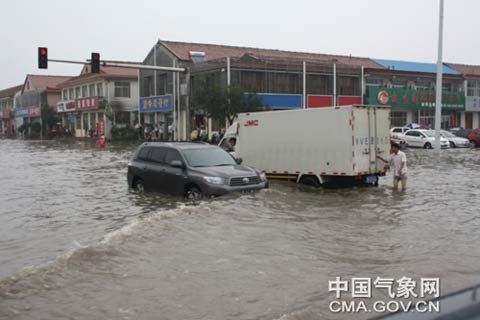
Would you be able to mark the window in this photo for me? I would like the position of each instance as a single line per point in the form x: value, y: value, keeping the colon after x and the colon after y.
x: 143, y: 154
x: 411, y: 133
x: 172, y: 155
x: 158, y: 154
x: 473, y: 88
x: 65, y: 94
x: 77, y: 92
x: 348, y: 86
x: 122, y: 89
x: 100, y: 89
x: 84, y: 91
x: 397, y: 130
x: 91, y: 89
x: 71, y: 94
x: 398, y: 118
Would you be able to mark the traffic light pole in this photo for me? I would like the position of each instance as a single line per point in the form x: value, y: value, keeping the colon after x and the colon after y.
x: 124, y: 65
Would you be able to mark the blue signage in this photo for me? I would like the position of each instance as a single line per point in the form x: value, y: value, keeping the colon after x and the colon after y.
x: 156, y: 104
x: 281, y: 101
x: 21, y: 113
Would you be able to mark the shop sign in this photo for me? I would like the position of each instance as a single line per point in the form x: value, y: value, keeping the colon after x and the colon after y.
x: 473, y: 104
x: 6, y: 114
x: 156, y: 104
x: 34, y: 112
x: 414, y: 99
x: 21, y: 113
x: 89, y: 103
x: 100, y: 127
x: 66, y: 105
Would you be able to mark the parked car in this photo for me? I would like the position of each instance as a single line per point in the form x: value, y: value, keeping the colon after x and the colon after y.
x: 190, y: 169
x: 460, y: 132
x: 396, y: 134
x: 474, y: 137
x: 423, y: 139
x: 454, y: 140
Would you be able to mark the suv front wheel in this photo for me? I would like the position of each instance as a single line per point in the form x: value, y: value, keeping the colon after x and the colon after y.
x: 193, y: 193
x: 139, y: 185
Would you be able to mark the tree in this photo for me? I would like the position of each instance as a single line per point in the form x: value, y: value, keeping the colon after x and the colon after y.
x: 222, y: 103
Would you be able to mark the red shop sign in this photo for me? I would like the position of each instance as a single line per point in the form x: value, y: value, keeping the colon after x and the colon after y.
x: 89, y: 103
x: 100, y: 127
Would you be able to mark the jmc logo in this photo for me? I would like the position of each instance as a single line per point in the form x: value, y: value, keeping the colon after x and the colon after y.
x: 251, y: 123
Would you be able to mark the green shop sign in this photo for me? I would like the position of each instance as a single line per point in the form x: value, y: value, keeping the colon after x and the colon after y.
x: 400, y: 98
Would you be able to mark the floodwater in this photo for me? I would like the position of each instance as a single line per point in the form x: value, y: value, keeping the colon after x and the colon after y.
x: 76, y: 243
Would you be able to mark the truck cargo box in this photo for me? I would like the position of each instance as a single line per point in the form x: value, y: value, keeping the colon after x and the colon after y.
x: 325, y: 143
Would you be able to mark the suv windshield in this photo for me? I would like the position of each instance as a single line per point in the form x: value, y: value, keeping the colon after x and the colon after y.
x: 208, y: 157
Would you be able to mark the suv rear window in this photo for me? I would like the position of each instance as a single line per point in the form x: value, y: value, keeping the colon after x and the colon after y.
x: 143, y: 154
x: 172, y: 155
x: 158, y: 154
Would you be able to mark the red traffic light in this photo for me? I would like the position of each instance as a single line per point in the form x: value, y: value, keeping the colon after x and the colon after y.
x: 42, y: 57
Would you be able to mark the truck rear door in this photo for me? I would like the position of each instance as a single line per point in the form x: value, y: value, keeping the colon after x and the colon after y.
x: 371, y: 138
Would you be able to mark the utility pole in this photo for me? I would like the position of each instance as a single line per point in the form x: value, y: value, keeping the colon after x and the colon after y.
x: 438, y: 100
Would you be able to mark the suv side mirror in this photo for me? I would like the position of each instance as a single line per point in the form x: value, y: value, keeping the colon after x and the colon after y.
x: 238, y: 160
x: 177, y: 164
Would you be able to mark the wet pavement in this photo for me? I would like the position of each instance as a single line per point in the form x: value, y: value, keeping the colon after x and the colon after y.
x: 76, y: 243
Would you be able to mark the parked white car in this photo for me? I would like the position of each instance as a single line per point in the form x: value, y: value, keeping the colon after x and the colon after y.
x: 455, y: 142
x: 396, y: 134
x: 423, y: 139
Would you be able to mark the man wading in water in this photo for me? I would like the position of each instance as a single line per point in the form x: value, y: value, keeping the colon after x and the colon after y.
x: 398, y: 160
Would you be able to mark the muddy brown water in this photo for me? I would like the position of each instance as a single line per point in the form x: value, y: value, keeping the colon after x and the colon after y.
x: 76, y: 243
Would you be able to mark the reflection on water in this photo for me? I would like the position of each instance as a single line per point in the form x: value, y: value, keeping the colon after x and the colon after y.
x: 75, y: 242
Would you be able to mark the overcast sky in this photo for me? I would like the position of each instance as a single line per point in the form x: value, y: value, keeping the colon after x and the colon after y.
x: 126, y: 30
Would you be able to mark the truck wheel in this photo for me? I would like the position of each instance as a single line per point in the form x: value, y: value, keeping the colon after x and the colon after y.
x: 194, y: 193
x: 139, y: 185
x: 310, y: 181
x: 427, y: 145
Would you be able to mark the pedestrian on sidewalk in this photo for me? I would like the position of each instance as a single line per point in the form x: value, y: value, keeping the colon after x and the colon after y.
x: 397, y: 160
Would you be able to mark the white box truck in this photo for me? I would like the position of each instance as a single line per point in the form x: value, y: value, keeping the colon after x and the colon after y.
x: 314, y: 146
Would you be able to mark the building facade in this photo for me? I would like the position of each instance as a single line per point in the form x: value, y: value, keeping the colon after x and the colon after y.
x: 7, y: 114
x: 92, y: 103
x: 280, y: 79
x: 471, y: 75
x: 37, y: 91
x: 409, y: 88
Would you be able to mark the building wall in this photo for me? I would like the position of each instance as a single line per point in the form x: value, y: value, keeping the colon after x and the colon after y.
x: 125, y: 103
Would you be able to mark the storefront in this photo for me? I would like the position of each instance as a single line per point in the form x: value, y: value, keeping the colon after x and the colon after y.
x: 472, y: 112
x: 418, y: 105
x: 156, y: 110
x: 83, y: 117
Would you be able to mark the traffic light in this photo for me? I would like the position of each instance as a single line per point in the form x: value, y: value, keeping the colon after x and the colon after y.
x: 95, y: 62
x: 42, y: 58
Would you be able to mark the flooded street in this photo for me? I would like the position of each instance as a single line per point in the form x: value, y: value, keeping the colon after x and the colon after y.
x: 76, y: 243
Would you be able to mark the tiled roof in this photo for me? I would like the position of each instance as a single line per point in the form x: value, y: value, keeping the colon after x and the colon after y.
x: 213, y: 51
x: 465, y: 69
x: 40, y: 82
x: 10, y: 92
x: 408, y: 66
x: 109, y: 73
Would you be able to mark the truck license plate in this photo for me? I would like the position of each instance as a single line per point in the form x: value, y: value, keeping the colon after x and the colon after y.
x: 372, y: 179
